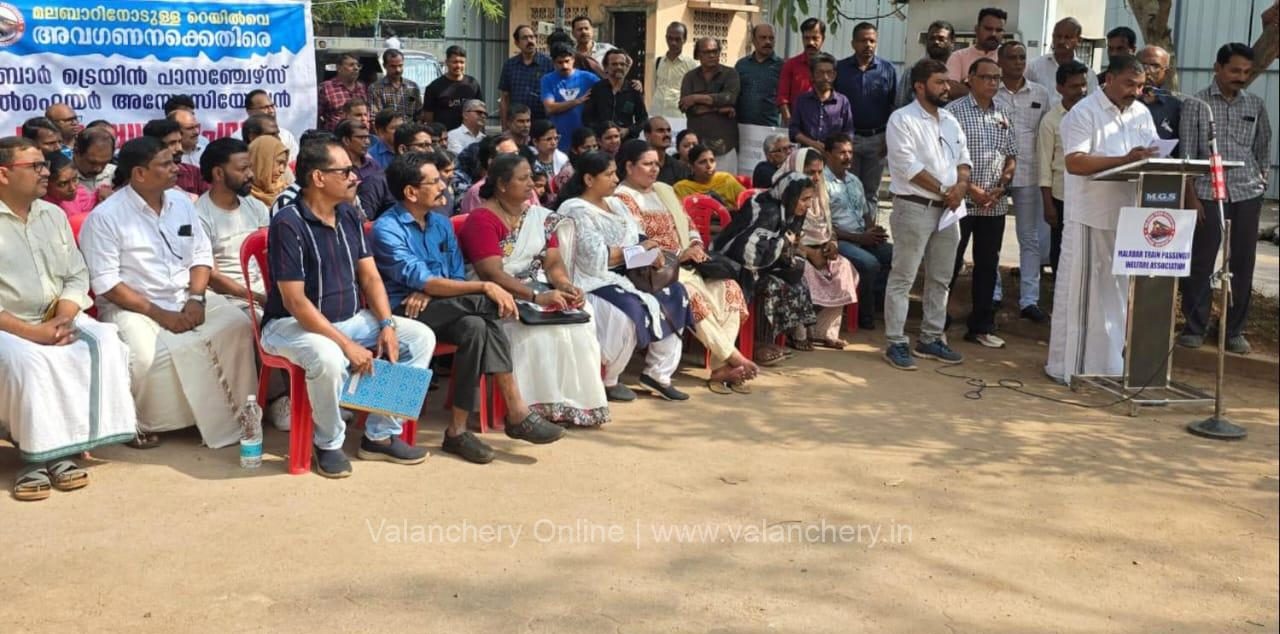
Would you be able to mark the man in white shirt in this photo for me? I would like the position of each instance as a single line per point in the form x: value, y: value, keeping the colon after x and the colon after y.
x: 1107, y: 129
x: 228, y: 215
x: 669, y: 71
x: 1043, y: 70
x: 1027, y: 102
x: 929, y: 173
x: 191, y: 356
x: 474, y: 113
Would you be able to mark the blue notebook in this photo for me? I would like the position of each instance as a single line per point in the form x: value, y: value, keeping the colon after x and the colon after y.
x: 393, y: 390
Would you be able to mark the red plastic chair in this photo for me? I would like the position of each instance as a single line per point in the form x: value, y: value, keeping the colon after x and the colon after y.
x: 300, y: 424
x: 746, y: 196
x: 700, y: 209
x: 745, y: 180
x: 493, y: 411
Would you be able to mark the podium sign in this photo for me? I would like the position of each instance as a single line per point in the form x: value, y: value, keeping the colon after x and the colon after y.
x: 1154, y: 242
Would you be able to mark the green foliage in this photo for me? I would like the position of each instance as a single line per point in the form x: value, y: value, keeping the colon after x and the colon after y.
x: 790, y: 13
x: 492, y: 9
x: 357, y: 13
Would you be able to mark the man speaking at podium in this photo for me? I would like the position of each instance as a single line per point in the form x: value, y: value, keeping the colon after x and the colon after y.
x: 1107, y: 129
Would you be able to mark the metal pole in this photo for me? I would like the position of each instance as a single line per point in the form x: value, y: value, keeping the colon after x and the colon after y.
x: 1217, y: 426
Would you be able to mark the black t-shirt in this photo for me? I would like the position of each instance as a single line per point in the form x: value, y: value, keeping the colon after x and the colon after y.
x: 444, y: 98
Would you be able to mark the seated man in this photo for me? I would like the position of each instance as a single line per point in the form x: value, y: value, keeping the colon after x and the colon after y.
x: 420, y: 260
x: 52, y: 357
x: 169, y: 133
x: 229, y: 214
x: 863, y: 242
x: 320, y: 268
x: 191, y: 356
x: 373, y: 196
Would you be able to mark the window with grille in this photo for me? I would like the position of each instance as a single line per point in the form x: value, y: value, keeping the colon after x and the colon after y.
x: 546, y: 12
x: 713, y: 24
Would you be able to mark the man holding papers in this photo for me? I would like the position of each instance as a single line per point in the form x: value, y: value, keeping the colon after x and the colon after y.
x: 322, y: 273
x: 929, y: 174
x: 1107, y: 129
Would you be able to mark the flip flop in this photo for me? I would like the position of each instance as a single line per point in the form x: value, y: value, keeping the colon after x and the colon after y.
x: 144, y: 440
x: 719, y: 387
x: 740, y: 387
x: 32, y: 485
x: 67, y: 475
x: 834, y: 344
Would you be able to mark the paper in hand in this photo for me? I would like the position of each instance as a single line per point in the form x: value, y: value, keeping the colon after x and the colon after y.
x: 1164, y: 147
x: 637, y: 257
x: 952, y: 216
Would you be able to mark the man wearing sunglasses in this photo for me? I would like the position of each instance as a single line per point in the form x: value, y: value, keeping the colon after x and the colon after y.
x: 51, y: 354
x: 68, y: 123
x: 322, y: 273
x: 149, y: 263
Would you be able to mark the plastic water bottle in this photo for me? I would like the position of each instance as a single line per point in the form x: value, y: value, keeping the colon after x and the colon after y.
x: 251, y: 434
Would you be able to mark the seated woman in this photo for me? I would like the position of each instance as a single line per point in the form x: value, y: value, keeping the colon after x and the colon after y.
x: 546, y: 141
x: 718, y: 305
x: 626, y: 318
x: 610, y: 135
x: 764, y: 237
x: 270, y: 160
x: 514, y: 245
x: 706, y: 180
x: 65, y: 189
x: 832, y: 281
x: 583, y: 141
x: 685, y: 141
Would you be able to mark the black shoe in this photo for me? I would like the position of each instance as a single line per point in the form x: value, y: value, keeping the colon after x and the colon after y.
x: 1238, y: 345
x: 1189, y: 340
x: 668, y: 392
x: 467, y: 447
x: 1034, y: 313
x: 620, y: 393
x: 535, y: 429
x: 397, y: 451
x: 331, y: 463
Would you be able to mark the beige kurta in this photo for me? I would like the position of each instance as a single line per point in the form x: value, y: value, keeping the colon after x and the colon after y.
x: 56, y: 401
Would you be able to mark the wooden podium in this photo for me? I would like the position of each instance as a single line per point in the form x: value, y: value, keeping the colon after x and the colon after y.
x: 1147, y: 379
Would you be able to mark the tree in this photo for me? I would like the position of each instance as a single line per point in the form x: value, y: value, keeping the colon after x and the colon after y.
x: 494, y: 10
x: 1153, y: 20
x: 356, y: 13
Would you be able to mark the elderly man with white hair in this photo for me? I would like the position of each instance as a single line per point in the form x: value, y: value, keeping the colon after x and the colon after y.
x: 474, y: 113
x: 777, y: 147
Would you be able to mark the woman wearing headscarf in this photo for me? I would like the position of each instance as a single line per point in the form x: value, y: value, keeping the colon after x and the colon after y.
x: 764, y: 237
x: 270, y: 160
x: 832, y: 281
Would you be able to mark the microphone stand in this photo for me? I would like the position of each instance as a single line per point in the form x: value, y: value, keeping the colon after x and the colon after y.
x: 1217, y: 426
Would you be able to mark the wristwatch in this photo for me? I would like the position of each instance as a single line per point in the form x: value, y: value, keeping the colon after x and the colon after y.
x: 199, y: 299
x: 387, y: 323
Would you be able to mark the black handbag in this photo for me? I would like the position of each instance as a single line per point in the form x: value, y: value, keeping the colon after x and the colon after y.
x: 718, y: 266
x: 652, y: 279
x: 532, y: 314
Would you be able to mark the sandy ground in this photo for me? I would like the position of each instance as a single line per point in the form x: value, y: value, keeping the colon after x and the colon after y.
x: 847, y: 496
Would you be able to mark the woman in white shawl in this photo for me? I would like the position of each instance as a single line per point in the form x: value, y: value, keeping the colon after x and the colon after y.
x: 513, y: 244
x: 626, y: 317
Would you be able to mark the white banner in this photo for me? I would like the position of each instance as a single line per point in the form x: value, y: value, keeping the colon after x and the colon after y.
x: 751, y: 145
x: 120, y: 61
x: 1155, y: 242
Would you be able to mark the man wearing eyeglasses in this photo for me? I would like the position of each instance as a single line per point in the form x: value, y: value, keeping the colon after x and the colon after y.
x: 709, y: 96
x: 336, y: 92
x: 260, y: 102
x: 68, y: 123
x: 1165, y: 108
x: 777, y: 147
x: 988, y: 130
x: 51, y: 354
x: 474, y: 114
x: 150, y: 261
x: 321, y: 269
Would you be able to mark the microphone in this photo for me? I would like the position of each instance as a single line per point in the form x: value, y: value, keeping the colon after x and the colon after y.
x: 1217, y: 174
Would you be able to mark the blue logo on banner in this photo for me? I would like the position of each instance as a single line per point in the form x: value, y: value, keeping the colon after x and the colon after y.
x: 139, y: 28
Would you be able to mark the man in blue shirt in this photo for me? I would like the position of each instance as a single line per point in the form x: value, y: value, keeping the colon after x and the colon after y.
x: 871, y: 85
x: 382, y: 143
x: 419, y: 258
x: 758, y: 75
x: 564, y: 92
x: 863, y: 242
x: 321, y: 268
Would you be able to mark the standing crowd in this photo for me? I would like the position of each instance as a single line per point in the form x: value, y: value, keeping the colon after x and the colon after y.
x: 402, y: 222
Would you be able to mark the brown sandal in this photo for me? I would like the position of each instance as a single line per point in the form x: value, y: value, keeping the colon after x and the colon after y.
x: 768, y: 357
x: 740, y: 387
x: 834, y: 344
x: 803, y: 345
x: 719, y: 387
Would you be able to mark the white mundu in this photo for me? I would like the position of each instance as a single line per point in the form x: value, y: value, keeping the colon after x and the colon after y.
x: 198, y: 377
x: 1090, y: 303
